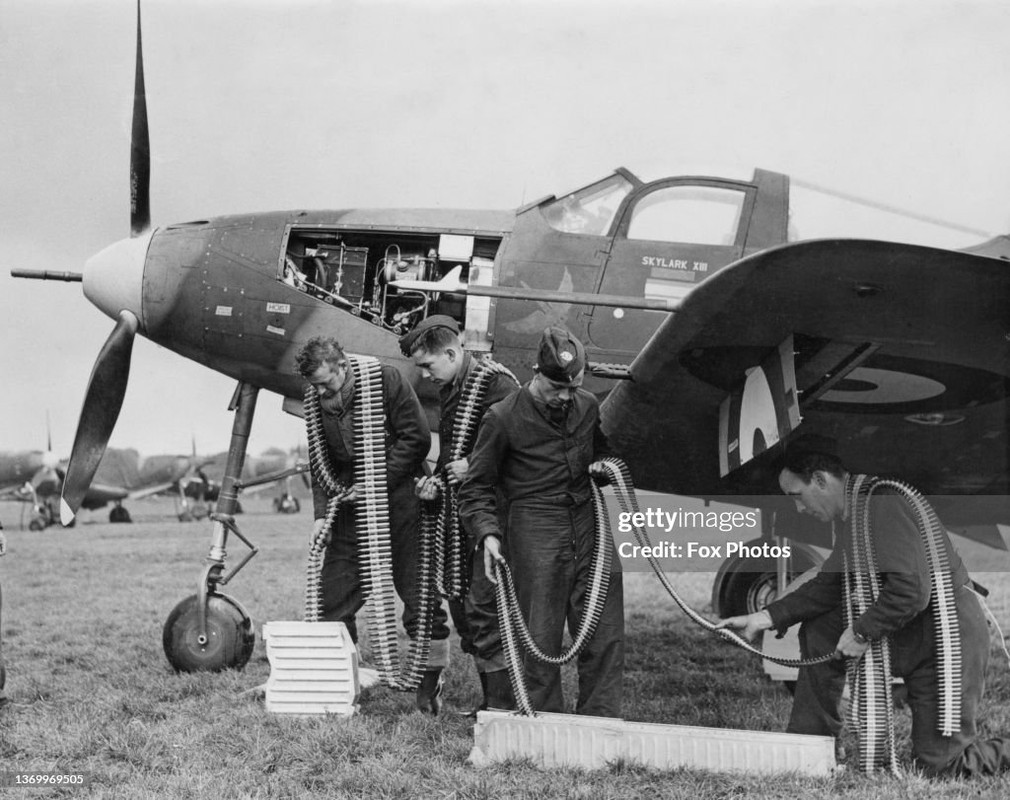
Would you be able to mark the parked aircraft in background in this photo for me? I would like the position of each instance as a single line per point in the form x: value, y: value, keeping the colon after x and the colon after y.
x: 713, y: 338
x: 35, y: 478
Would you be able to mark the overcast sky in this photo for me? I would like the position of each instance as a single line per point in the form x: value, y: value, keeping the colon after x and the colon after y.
x: 275, y: 104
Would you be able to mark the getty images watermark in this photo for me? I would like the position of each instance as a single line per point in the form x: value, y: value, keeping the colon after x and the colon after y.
x: 685, y: 539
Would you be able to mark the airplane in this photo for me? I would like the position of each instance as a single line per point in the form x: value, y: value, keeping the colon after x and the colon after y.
x: 176, y: 475
x: 36, y: 477
x: 258, y: 473
x: 713, y: 338
x: 193, y: 481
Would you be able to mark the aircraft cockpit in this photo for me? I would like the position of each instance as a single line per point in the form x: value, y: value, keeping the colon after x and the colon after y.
x: 590, y: 210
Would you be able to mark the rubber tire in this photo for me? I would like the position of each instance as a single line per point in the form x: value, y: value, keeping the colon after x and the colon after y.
x: 230, y: 636
x: 119, y: 514
x: 37, y: 524
x: 745, y: 585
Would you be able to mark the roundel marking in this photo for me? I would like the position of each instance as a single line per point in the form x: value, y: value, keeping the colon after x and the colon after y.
x: 757, y: 416
x: 882, y: 386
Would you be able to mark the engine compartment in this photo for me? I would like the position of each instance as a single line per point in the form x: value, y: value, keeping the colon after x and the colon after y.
x: 356, y: 270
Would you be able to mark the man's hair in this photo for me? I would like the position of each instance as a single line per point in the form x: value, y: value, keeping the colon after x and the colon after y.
x: 435, y: 340
x: 804, y: 464
x: 317, y: 351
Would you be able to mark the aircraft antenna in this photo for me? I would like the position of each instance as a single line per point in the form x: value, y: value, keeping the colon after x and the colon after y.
x: 889, y: 208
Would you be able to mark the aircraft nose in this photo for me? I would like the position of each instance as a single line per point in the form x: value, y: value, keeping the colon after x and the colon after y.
x: 114, y: 277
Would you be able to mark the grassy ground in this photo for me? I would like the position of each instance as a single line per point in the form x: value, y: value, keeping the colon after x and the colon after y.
x: 82, y: 618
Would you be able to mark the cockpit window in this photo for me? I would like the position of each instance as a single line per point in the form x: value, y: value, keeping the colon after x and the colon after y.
x: 697, y: 214
x: 590, y: 210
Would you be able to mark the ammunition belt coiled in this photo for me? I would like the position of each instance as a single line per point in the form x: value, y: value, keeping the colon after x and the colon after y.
x: 514, y: 631
x: 624, y: 491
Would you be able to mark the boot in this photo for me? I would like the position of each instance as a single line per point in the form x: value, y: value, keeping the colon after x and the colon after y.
x: 498, y: 695
x: 429, y: 692
x: 472, y: 713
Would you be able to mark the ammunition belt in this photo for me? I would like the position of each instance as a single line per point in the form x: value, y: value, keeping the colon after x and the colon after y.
x: 451, y: 557
x: 514, y: 631
x: 870, y: 708
x: 625, y: 493
x: 372, y: 520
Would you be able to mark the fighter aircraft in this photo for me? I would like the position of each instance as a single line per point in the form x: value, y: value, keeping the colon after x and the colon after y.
x: 35, y: 477
x: 713, y: 337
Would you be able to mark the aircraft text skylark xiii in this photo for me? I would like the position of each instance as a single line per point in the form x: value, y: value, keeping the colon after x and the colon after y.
x: 712, y: 336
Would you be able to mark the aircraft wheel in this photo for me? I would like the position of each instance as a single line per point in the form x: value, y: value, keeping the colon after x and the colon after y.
x: 295, y: 506
x: 745, y: 585
x: 230, y: 636
x: 37, y: 524
x: 185, y: 516
x: 120, y: 514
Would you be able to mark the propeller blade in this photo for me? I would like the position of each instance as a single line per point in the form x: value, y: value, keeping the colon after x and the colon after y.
x: 140, y: 150
x: 102, y: 403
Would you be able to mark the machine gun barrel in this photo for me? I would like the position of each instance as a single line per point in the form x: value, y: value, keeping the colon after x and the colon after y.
x: 47, y: 275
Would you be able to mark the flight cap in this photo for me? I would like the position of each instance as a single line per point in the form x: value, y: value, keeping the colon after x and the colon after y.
x: 561, y: 356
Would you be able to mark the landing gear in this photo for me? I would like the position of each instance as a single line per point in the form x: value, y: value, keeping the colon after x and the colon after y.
x: 119, y: 514
x: 745, y: 585
x: 225, y: 642
x: 210, y: 631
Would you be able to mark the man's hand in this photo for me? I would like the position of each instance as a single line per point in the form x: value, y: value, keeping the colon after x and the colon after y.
x: 317, y: 527
x: 455, y: 471
x: 599, y: 473
x: 848, y: 646
x: 426, y: 488
x: 749, y: 624
x: 492, y: 554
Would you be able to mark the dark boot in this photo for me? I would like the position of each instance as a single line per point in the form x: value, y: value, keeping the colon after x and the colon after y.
x: 472, y: 713
x: 498, y: 694
x: 429, y: 692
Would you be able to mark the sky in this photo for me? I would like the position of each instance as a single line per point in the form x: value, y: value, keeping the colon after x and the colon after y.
x: 277, y: 104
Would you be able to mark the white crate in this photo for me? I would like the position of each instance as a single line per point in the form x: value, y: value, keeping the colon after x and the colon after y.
x: 313, y: 668
x: 568, y: 740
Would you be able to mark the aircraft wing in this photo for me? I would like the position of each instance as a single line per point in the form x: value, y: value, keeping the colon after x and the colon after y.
x: 900, y: 352
x: 16, y: 492
x: 153, y: 489
x: 99, y: 494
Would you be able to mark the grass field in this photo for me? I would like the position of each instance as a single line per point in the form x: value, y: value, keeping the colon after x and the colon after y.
x: 92, y: 692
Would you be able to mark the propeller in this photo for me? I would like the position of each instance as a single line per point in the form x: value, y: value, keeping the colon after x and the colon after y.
x: 140, y: 150
x: 47, y: 478
x: 107, y: 385
x: 102, y: 403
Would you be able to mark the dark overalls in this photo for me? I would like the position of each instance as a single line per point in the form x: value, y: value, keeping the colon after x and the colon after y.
x: 540, y: 465
x: 904, y: 611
